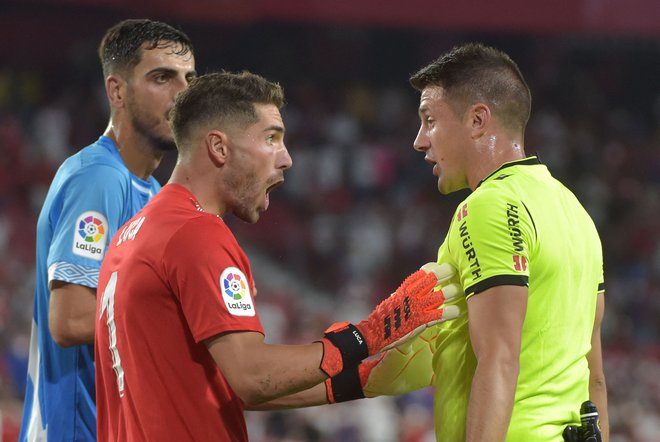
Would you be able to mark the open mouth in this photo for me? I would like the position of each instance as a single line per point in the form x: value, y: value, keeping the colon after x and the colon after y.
x: 273, y: 186
x: 266, y: 201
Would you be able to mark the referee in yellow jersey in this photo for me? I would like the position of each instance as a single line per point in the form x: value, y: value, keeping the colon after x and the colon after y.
x: 518, y: 366
x: 528, y: 257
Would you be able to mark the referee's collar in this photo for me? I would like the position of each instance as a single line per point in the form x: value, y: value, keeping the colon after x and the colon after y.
x: 529, y: 161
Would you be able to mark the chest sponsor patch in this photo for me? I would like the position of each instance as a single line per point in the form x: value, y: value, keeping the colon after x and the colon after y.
x: 236, y: 292
x: 90, y: 235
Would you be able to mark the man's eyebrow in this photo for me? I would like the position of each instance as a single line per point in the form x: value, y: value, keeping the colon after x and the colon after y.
x: 275, y: 127
x: 162, y: 70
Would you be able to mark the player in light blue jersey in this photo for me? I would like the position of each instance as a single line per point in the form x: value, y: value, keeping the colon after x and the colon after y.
x: 145, y: 65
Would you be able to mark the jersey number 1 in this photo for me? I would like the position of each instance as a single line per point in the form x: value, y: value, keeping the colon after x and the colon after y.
x: 108, y: 303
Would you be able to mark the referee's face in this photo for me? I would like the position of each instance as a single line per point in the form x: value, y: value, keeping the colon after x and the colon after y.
x: 155, y: 82
x: 444, y: 137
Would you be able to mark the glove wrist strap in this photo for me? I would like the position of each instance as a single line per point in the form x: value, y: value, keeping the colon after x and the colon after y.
x: 350, y: 342
x: 346, y: 386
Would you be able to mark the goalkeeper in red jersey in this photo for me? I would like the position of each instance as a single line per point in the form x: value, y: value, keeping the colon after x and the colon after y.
x: 180, y: 350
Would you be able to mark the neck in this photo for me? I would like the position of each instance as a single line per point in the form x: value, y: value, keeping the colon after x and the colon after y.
x: 490, y: 153
x: 136, y: 152
x: 196, y: 180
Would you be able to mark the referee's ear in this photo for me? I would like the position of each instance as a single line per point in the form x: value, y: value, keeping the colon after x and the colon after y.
x: 479, y: 119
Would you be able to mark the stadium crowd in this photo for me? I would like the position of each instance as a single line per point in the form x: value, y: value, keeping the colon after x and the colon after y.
x: 360, y: 210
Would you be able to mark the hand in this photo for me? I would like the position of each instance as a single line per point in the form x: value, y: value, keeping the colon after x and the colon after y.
x: 413, y: 307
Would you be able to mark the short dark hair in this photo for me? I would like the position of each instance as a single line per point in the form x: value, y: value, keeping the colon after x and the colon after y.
x: 473, y: 73
x: 119, y: 50
x: 221, y: 98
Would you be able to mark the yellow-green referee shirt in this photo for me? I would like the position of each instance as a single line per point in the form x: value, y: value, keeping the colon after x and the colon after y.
x: 523, y: 227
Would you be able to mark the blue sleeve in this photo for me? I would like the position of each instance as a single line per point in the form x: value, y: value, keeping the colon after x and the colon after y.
x: 87, y: 213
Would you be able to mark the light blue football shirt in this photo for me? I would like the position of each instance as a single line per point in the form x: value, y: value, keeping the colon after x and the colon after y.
x: 91, y: 196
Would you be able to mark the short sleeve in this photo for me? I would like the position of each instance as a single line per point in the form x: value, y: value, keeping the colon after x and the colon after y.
x: 85, y: 215
x: 211, y: 277
x: 490, y: 238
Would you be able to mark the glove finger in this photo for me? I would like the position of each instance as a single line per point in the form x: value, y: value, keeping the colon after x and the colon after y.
x: 439, y: 297
x: 432, y: 299
x: 421, y: 285
x: 432, y: 317
x: 451, y: 291
x: 444, y: 314
x: 412, y: 281
x: 438, y: 315
x: 411, y: 334
x: 443, y: 272
x: 450, y: 312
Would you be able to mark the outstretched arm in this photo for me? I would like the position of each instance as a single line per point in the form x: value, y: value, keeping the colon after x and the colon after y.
x: 259, y: 372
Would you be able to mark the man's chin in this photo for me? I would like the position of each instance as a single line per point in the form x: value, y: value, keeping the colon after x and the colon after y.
x: 250, y: 217
x: 164, y: 144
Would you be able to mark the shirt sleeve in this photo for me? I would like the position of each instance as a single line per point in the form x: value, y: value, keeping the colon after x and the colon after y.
x: 85, y: 216
x: 211, y: 277
x: 490, y: 238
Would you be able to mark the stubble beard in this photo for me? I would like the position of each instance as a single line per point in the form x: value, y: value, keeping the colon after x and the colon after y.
x: 242, y: 184
x: 146, y: 128
x: 156, y: 142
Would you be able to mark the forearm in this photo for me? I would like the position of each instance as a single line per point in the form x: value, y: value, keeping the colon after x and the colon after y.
x: 260, y: 372
x: 597, y: 384
x: 307, y: 398
x: 491, y: 401
x: 284, y: 369
x: 598, y: 395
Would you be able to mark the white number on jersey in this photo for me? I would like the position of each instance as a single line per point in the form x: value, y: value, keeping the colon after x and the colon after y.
x: 108, y: 303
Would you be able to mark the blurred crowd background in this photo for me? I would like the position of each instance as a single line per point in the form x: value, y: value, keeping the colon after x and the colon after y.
x: 359, y: 209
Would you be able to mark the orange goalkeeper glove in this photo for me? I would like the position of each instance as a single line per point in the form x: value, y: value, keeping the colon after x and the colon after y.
x: 413, y: 307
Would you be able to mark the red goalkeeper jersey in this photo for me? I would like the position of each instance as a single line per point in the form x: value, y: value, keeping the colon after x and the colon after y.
x: 173, y: 277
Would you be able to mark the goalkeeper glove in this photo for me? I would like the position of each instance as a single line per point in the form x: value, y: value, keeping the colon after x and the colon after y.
x: 413, y: 307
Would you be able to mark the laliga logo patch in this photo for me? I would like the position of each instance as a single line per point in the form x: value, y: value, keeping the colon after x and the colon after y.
x: 90, y: 235
x: 236, y: 292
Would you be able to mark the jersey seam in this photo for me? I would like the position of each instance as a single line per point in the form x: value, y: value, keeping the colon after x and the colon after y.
x: 536, y: 235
